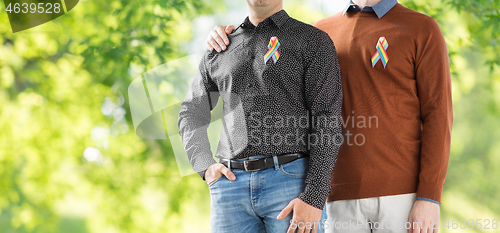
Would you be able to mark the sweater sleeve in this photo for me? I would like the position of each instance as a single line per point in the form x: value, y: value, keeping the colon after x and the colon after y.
x: 432, y: 71
x: 323, y: 94
x: 195, y: 117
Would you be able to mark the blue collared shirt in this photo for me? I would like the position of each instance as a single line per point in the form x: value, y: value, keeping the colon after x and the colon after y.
x: 380, y: 8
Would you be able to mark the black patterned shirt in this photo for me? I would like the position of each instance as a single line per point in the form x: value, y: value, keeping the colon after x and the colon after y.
x: 281, y: 90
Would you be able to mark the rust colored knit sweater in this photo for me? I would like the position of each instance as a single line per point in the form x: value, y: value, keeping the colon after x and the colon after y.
x: 397, y: 118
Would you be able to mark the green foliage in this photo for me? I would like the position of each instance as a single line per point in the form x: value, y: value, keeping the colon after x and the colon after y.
x: 54, y: 80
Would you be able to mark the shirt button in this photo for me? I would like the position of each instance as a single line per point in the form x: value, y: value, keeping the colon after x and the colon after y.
x: 249, y: 85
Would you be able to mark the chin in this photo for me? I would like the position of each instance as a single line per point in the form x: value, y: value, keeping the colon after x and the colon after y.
x: 261, y: 3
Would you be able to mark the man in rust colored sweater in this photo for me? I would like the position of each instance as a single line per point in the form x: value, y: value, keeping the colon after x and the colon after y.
x: 397, y: 117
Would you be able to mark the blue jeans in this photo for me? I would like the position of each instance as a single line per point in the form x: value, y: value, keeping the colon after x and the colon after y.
x: 252, y: 202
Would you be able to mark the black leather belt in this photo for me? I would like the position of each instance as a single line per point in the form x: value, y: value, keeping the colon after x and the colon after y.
x: 259, y: 164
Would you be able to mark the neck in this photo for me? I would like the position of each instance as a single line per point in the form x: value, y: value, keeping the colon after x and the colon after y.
x: 363, y: 3
x: 259, y: 14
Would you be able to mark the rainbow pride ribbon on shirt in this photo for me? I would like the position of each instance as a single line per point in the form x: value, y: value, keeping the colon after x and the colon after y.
x: 273, y: 46
x: 381, y: 53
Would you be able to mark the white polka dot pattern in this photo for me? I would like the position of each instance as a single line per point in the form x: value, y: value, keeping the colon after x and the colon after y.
x: 269, y: 108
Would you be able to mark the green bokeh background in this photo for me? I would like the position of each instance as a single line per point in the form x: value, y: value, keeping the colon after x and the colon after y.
x: 63, y: 89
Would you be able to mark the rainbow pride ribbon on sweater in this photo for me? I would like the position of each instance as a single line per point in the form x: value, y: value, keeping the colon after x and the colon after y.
x: 273, y: 46
x: 381, y: 53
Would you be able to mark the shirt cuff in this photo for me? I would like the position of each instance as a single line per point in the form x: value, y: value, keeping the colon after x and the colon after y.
x: 314, y: 196
x: 428, y: 199
x: 432, y: 191
x: 202, y: 174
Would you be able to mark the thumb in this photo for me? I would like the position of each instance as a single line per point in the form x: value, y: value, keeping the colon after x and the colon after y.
x: 228, y: 173
x: 229, y: 29
x: 286, y: 211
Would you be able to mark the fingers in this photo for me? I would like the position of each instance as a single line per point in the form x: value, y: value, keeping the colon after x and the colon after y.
x: 222, y: 39
x: 215, y: 34
x: 315, y: 229
x: 416, y: 229
x: 417, y: 226
x: 305, y: 217
x: 211, y: 174
x: 431, y: 228
x: 422, y: 226
x: 302, y: 227
x: 229, y: 29
x: 217, y: 38
x: 435, y: 227
x: 286, y: 211
x: 425, y: 227
x: 307, y: 228
x: 410, y: 220
x: 213, y: 43
x: 208, y: 45
x: 228, y: 173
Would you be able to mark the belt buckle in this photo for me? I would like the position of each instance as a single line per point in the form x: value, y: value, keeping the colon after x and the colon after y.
x: 245, y: 165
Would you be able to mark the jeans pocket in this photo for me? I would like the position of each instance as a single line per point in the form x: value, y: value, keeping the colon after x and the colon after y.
x: 296, y: 169
x: 215, y: 181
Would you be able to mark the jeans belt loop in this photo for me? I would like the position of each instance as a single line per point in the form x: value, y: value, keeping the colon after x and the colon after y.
x: 229, y: 164
x: 276, y: 163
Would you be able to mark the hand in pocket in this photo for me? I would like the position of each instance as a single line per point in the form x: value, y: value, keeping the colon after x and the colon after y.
x: 215, y: 171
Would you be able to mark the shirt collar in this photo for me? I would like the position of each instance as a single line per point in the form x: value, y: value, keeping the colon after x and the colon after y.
x: 279, y: 19
x: 380, y: 8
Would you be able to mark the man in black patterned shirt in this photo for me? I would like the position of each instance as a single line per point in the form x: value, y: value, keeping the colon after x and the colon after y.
x: 280, y: 84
